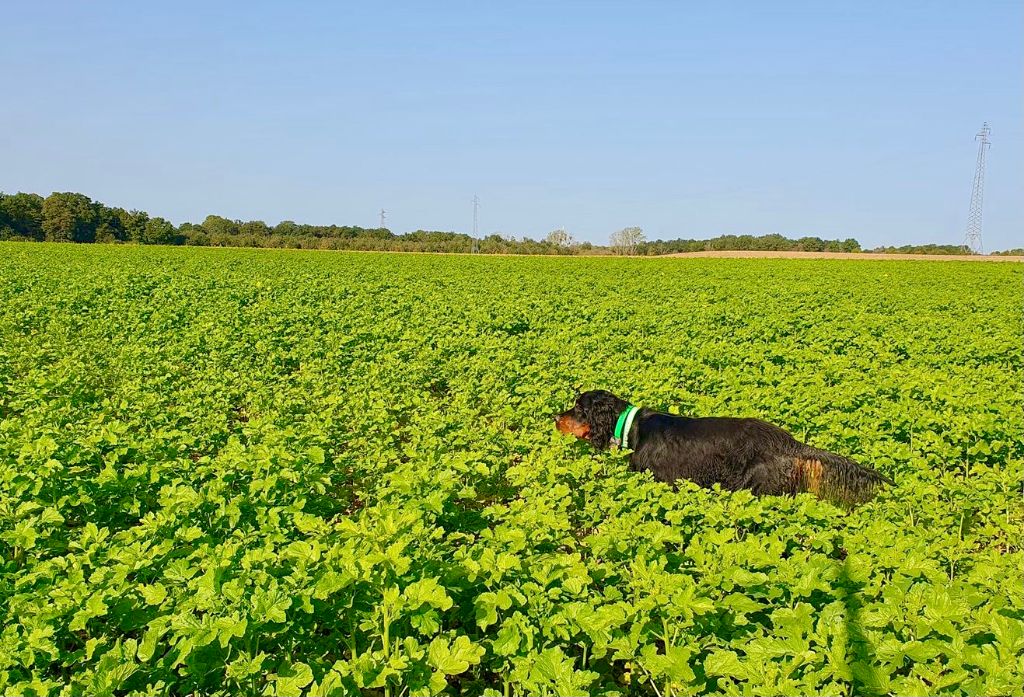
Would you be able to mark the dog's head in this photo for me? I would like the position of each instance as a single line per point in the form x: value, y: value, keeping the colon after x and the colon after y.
x: 592, y: 418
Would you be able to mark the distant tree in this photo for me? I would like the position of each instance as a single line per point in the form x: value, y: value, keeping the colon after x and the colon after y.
x: 255, y: 228
x: 160, y: 231
x: 626, y: 240
x: 69, y: 217
x: 193, y: 235
x: 217, y: 226
x: 559, y: 238
x: 21, y: 215
x: 810, y: 244
x: 106, y: 233
x: 109, y: 224
x: 132, y: 224
x: 288, y: 228
x: 380, y: 233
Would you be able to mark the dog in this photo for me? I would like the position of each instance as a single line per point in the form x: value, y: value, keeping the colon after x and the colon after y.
x: 737, y: 453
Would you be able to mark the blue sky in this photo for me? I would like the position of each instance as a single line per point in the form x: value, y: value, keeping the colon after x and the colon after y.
x: 837, y: 119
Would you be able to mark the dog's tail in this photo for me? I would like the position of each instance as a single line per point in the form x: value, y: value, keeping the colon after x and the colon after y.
x: 835, y: 478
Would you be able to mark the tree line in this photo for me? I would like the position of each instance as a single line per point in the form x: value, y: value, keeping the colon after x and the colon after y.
x: 764, y: 243
x: 924, y: 249
x: 74, y: 217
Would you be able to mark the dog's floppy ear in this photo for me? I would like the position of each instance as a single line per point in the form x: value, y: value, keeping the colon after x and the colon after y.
x: 601, y: 412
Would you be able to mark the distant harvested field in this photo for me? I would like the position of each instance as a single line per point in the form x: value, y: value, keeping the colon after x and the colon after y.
x: 748, y: 254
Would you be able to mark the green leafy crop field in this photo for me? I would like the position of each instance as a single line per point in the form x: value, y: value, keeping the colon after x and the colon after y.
x: 251, y: 472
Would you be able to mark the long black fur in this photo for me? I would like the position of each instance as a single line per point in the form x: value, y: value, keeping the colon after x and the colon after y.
x: 738, y: 453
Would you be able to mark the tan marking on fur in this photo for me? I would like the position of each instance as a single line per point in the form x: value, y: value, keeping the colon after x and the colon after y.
x: 809, y: 474
x: 571, y: 427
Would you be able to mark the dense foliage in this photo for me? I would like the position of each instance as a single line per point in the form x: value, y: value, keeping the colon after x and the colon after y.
x: 71, y: 217
x: 924, y: 249
x: 263, y: 472
x: 773, y: 243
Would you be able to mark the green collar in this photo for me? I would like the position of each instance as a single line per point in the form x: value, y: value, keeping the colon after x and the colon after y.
x: 622, y: 426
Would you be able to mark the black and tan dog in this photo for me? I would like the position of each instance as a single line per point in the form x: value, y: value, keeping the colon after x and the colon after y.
x: 734, y: 452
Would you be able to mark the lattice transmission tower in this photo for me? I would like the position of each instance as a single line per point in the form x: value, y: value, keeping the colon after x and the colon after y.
x: 972, y: 240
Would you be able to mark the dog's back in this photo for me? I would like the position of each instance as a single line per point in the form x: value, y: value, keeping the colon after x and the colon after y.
x: 744, y: 453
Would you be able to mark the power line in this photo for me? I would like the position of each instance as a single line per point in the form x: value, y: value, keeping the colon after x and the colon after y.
x: 972, y: 240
